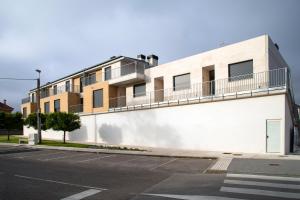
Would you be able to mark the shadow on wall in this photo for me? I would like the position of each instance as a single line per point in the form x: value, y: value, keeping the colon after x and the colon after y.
x: 140, y: 128
x: 150, y: 132
x: 110, y: 134
x: 79, y: 135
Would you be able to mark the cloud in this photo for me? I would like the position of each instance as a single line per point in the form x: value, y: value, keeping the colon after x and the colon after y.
x: 61, y: 37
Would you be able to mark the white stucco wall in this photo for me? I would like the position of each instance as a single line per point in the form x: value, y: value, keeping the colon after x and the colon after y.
x: 229, y: 126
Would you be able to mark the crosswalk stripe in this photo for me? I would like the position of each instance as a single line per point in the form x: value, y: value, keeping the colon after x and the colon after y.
x: 82, y: 195
x: 269, y: 193
x: 252, y: 176
x: 264, y: 184
x: 191, y: 197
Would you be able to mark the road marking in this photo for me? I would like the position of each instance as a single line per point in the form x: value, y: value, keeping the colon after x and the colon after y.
x: 222, y: 164
x: 61, y: 157
x: 59, y: 182
x: 264, y: 184
x: 163, y: 164
x: 269, y: 193
x: 252, y: 176
x: 94, y: 158
x: 191, y: 197
x: 82, y: 195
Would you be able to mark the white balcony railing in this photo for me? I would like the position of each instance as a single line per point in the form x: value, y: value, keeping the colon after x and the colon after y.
x: 277, y: 79
x: 130, y: 72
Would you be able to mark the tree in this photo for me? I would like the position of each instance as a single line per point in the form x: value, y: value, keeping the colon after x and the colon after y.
x: 62, y: 121
x: 31, y: 121
x: 11, y: 121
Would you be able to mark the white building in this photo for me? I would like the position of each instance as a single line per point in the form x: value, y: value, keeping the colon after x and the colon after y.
x: 237, y: 98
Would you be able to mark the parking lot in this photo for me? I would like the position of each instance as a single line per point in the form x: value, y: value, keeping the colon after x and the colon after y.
x: 27, y: 173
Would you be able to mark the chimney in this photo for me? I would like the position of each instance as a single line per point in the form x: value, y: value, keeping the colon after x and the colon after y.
x: 152, y: 60
x: 141, y: 57
x: 4, y: 101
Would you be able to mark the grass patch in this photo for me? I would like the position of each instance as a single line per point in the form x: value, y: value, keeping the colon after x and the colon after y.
x: 61, y: 144
x: 55, y: 143
x: 13, y: 139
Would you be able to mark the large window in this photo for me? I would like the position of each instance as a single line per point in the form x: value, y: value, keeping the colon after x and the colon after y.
x: 46, y: 107
x: 139, y: 90
x: 98, y: 98
x: 107, y: 73
x: 181, y: 82
x: 67, y: 86
x: 241, y: 70
x: 55, y: 89
x: 57, y: 105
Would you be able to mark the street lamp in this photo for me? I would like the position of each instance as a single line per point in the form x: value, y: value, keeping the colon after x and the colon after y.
x: 38, y: 109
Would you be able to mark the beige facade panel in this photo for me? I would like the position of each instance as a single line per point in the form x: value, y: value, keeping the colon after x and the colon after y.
x: 88, y: 97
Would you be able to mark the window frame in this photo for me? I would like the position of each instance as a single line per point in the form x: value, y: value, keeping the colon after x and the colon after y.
x: 55, y: 109
x: 139, y: 94
x: 247, y: 76
x: 174, y: 86
x: 105, y: 73
x: 47, y: 103
x: 67, y: 86
x: 24, y: 114
x: 55, y: 90
x: 100, y: 100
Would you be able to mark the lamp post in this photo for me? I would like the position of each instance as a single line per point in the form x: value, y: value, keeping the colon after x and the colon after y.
x: 38, y: 113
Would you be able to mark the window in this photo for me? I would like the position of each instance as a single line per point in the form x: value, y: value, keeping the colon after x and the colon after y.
x: 55, y: 89
x: 90, y: 79
x: 46, y: 107
x: 139, y: 90
x: 57, y: 105
x: 81, y: 84
x: 241, y: 70
x: 107, y: 73
x: 181, y: 82
x: 97, y: 98
x: 67, y: 86
x: 24, y: 112
x: 33, y: 97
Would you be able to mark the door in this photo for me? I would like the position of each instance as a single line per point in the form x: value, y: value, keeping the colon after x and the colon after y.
x: 273, y: 136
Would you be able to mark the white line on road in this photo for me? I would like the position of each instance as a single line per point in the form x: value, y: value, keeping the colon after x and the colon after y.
x: 191, y: 197
x: 82, y: 195
x: 94, y: 158
x: 252, y: 176
x: 40, y: 154
x: 264, y: 184
x: 61, y: 157
x: 165, y: 163
x: 269, y: 193
x: 59, y: 182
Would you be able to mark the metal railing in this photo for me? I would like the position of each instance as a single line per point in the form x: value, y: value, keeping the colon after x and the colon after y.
x: 126, y: 69
x: 26, y: 100
x: 256, y: 82
x: 76, y: 108
x: 59, y: 90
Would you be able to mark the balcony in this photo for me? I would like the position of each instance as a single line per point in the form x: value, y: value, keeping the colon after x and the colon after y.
x: 127, y: 73
x: 59, y: 90
x: 26, y: 100
x: 250, y: 85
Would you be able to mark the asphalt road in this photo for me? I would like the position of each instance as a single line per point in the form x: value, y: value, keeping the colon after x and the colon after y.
x: 30, y: 174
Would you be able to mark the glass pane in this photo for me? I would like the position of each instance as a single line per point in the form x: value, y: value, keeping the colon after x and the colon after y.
x: 182, y: 82
x: 97, y: 98
x: 242, y: 70
x: 139, y: 90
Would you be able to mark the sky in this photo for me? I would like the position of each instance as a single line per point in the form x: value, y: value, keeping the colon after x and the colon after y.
x: 64, y: 36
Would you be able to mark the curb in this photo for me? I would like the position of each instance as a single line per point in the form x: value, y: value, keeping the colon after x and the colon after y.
x: 109, y: 151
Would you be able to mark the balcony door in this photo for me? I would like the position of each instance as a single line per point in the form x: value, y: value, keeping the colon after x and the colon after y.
x: 159, y: 89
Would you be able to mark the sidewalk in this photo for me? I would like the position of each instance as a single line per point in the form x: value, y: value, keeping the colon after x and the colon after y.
x: 169, y: 152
